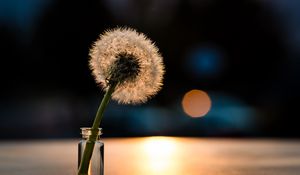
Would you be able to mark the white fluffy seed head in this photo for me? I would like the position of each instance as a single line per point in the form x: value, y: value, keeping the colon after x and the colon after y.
x: 104, y: 55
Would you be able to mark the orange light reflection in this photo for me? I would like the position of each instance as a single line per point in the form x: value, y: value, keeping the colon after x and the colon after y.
x: 90, y: 172
x: 160, y: 155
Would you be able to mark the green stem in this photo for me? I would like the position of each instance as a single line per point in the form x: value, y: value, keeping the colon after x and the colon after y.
x: 89, y: 147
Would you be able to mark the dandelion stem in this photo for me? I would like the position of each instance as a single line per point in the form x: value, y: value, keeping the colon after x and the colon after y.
x: 89, y: 147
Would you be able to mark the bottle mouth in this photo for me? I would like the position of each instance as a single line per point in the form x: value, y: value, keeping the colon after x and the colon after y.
x: 86, y: 131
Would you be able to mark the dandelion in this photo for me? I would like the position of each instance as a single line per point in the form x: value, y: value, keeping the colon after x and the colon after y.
x: 122, y: 55
x: 129, y: 68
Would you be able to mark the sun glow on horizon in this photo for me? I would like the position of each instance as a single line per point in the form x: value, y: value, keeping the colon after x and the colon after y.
x: 159, y: 152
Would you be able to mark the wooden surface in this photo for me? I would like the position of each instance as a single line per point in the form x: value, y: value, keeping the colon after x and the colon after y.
x: 157, y: 155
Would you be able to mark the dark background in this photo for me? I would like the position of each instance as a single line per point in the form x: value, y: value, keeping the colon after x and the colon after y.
x: 243, y: 53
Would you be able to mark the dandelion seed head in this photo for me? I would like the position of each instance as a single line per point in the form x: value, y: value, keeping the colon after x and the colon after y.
x: 125, y: 68
x: 129, y: 57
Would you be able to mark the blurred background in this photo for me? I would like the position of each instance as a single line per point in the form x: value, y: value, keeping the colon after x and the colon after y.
x: 232, y: 68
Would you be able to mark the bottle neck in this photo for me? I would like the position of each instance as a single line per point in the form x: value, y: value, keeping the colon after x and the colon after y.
x: 86, y: 132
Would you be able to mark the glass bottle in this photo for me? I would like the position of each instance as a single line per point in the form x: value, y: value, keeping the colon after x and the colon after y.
x: 97, y: 161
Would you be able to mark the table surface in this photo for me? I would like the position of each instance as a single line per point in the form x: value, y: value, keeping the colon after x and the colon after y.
x: 157, y: 155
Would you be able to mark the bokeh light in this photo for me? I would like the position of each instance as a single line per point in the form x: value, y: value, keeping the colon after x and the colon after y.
x: 205, y: 62
x: 196, y: 103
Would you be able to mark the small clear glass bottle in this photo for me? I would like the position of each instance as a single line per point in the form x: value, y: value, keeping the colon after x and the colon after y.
x: 97, y: 161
